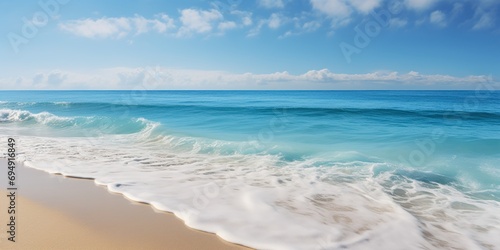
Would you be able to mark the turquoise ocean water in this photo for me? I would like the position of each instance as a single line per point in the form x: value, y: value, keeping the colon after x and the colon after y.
x: 283, y: 169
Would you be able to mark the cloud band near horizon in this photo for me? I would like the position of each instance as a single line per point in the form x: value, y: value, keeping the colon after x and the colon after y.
x: 160, y: 78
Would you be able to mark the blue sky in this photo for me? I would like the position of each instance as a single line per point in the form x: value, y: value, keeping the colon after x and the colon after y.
x: 238, y: 44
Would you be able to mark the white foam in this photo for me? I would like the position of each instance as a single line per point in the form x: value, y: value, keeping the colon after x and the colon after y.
x: 259, y: 201
x: 87, y: 126
x: 9, y: 115
x: 64, y: 104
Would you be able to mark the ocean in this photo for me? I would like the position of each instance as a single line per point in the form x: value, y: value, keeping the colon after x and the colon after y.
x: 282, y: 169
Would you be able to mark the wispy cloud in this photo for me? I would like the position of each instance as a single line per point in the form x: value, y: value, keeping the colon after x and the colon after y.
x: 301, y: 27
x: 343, y: 8
x: 152, y: 78
x: 198, y: 21
x: 340, y: 11
x: 420, y: 4
x: 397, y: 22
x: 189, y: 22
x: 117, y: 27
x: 484, y: 20
x: 245, y: 16
x: 274, y: 21
x: 365, y: 6
x: 228, y: 25
x: 337, y: 10
x: 457, y: 9
x: 438, y: 18
x: 271, y: 3
x: 335, y: 13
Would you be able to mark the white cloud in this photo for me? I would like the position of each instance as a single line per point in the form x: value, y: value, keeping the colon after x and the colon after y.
x: 420, y: 21
x: 302, y: 25
x: 198, y: 21
x: 365, y: 6
x: 344, y: 12
x: 344, y: 8
x: 311, y: 26
x: 247, y: 20
x: 411, y: 77
x: 162, y: 24
x: 397, y: 22
x: 457, y: 9
x: 227, y: 25
x: 275, y: 21
x: 165, y: 78
x: 246, y: 17
x: 271, y: 3
x: 340, y: 11
x: 485, y: 21
x: 332, y: 8
x: 336, y: 10
x: 420, y: 4
x: 438, y: 18
x: 256, y: 30
x: 48, y: 80
x: 117, y: 27
x: 192, y: 21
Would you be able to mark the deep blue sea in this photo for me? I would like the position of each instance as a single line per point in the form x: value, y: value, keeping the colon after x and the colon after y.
x: 283, y: 169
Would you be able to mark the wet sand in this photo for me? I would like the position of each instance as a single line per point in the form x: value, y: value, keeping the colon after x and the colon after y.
x: 56, y: 212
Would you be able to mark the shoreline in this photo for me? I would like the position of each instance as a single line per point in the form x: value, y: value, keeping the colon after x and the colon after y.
x: 57, y: 212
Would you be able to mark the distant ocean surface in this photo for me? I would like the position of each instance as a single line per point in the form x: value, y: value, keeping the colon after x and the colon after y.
x: 282, y: 169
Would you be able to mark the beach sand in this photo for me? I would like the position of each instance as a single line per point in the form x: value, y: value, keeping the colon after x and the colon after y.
x: 56, y: 212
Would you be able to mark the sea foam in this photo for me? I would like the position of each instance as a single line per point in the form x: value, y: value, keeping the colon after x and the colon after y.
x: 263, y: 202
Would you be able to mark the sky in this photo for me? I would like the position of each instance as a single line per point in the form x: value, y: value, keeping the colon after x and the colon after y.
x: 243, y: 44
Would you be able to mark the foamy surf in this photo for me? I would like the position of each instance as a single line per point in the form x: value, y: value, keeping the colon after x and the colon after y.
x: 305, y: 177
x: 249, y: 200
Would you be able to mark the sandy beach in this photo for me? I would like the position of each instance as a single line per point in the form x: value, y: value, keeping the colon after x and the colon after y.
x: 56, y: 212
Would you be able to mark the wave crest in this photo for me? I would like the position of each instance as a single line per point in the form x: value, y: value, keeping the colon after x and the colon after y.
x: 90, y: 125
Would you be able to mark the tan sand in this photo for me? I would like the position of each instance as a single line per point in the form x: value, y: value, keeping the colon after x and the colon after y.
x: 55, y: 212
